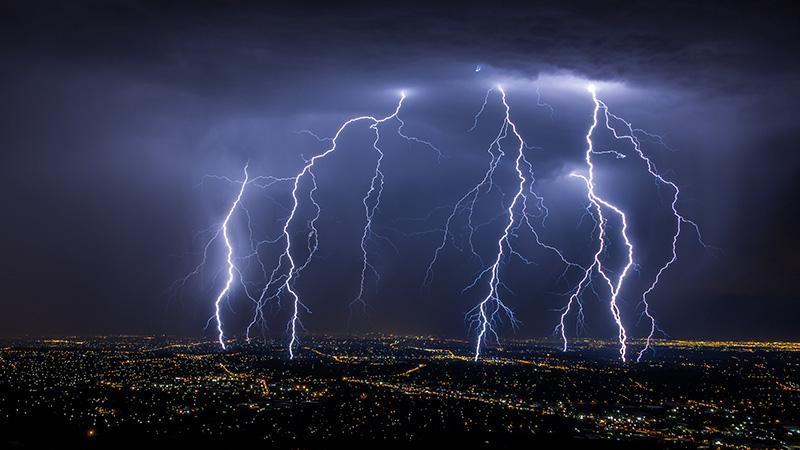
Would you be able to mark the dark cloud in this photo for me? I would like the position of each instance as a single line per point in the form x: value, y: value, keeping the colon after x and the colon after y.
x: 113, y: 111
x: 213, y: 46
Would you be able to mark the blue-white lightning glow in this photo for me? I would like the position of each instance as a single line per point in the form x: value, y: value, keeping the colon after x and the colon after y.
x: 525, y: 212
x: 229, y: 259
x: 598, y: 205
x: 282, y: 279
x: 488, y: 313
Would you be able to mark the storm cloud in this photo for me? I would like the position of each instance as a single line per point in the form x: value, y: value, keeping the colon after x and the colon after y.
x: 114, y: 111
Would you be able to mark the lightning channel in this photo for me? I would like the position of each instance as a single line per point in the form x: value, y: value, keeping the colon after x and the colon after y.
x: 283, y: 279
x: 231, y: 267
x: 600, y: 204
x: 486, y: 316
x: 630, y: 134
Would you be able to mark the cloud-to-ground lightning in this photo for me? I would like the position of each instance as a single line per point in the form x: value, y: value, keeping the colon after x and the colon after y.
x: 229, y: 260
x: 487, y: 315
x: 491, y: 308
x: 233, y: 263
x: 629, y: 134
x: 283, y: 279
x: 231, y: 268
x: 598, y: 204
x: 487, y: 310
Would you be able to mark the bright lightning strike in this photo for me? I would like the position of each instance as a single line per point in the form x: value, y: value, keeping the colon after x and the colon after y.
x: 488, y: 313
x: 233, y: 262
x: 232, y: 270
x: 284, y: 280
x: 599, y: 204
x: 491, y: 305
x: 629, y: 134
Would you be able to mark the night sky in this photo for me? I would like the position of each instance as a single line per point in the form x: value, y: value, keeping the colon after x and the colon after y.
x: 113, y: 112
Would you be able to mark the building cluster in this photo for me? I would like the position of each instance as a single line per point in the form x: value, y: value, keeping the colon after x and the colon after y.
x: 373, y: 388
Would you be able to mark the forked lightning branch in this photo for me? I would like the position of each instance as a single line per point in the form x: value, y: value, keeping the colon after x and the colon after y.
x: 525, y: 212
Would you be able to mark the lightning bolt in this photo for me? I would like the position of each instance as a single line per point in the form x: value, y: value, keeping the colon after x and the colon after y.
x: 488, y: 309
x: 233, y: 262
x: 630, y: 134
x: 486, y: 316
x: 490, y: 312
x: 467, y: 202
x: 232, y: 269
x: 599, y: 204
x: 371, y: 201
x: 284, y: 279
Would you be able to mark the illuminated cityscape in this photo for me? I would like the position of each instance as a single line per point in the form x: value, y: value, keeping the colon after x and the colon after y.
x: 389, y: 389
